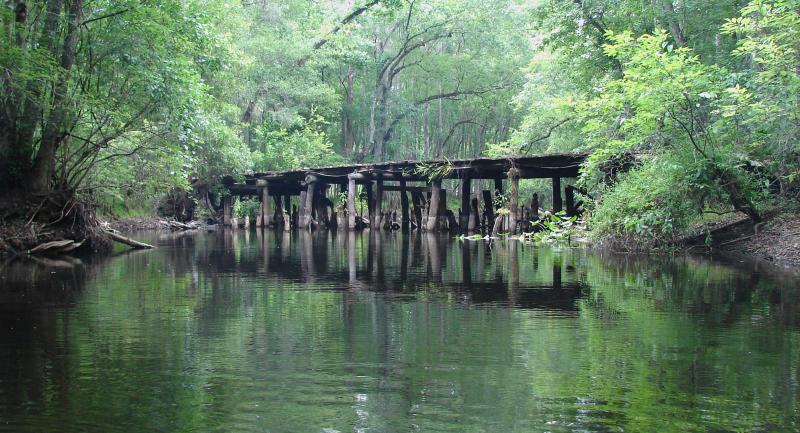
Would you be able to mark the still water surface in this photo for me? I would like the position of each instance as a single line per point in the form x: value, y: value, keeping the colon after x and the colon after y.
x: 271, y: 332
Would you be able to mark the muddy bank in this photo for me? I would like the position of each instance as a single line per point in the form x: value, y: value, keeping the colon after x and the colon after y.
x: 18, y: 236
x: 133, y: 224
x: 776, y: 241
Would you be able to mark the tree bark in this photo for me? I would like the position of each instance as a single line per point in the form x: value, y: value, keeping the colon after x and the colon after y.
x: 674, y: 26
x: 55, y: 128
x: 348, y: 138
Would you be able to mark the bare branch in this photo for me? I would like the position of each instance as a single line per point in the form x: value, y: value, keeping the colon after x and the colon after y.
x: 527, y: 147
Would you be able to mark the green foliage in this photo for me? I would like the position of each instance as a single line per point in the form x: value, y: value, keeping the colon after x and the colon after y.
x: 650, y: 204
x: 712, y: 119
x: 554, y: 229
x: 434, y: 170
x: 246, y: 207
x: 341, y: 201
x: 769, y: 43
x: 500, y: 200
x: 283, y: 149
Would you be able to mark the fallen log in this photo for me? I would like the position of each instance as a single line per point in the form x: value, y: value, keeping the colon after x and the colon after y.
x: 127, y: 241
x: 176, y: 225
x: 55, y: 247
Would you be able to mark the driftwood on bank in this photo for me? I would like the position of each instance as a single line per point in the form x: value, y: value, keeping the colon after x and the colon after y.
x: 55, y: 247
x: 177, y: 225
x: 127, y: 241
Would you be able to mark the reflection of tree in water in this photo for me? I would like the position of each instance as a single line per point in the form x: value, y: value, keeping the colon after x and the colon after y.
x: 30, y: 291
x: 332, y: 331
x: 704, y: 287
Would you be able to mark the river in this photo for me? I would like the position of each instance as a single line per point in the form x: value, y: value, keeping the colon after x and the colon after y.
x: 251, y: 331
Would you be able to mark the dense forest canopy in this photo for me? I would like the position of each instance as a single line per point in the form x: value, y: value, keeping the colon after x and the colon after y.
x: 127, y: 99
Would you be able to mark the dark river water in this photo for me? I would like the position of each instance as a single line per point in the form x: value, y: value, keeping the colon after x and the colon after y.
x: 271, y: 332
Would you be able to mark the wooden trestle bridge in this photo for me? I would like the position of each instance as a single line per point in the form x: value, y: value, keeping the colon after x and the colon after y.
x: 423, y: 180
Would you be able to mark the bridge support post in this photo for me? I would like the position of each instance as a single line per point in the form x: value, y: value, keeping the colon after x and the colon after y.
x: 266, y: 216
x: 227, y: 210
x: 377, y: 216
x: 463, y: 213
x: 277, y: 215
x: 433, y: 206
x: 535, y: 207
x: 300, y: 211
x: 370, y: 202
x: 569, y: 192
x: 351, y: 203
x: 416, y: 200
x: 474, y: 216
x: 321, y: 208
x: 404, y: 216
x: 488, y: 209
x: 287, y: 212
x: 513, y: 202
x: 558, y: 204
x: 307, y: 202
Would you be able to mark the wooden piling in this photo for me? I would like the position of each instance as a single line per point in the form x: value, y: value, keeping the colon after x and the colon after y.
x: 474, y: 216
x: 378, y: 211
x: 488, y: 208
x: 351, y: 203
x: 463, y: 213
x: 442, y: 202
x: 266, y: 217
x: 227, y: 210
x: 301, y: 210
x: 513, y: 203
x: 558, y: 205
x: 322, y: 205
x: 404, y: 218
x: 370, y: 201
x: 569, y: 192
x: 416, y: 200
x: 308, y: 203
x: 433, y: 208
x: 277, y: 214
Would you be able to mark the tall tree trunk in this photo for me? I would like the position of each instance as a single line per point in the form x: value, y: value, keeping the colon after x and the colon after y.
x: 348, y: 139
x: 379, y: 123
x: 54, y: 130
x: 21, y: 114
x: 426, y: 130
x: 439, y: 142
x: 674, y: 25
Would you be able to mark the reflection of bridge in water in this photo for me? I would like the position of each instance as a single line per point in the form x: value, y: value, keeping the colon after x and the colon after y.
x: 467, y: 271
x: 303, y: 198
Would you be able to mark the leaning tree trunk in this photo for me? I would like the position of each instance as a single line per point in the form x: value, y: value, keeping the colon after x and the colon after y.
x: 737, y: 196
x: 54, y: 131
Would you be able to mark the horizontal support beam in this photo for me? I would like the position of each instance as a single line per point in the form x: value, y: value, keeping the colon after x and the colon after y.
x: 252, y: 190
x: 408, y: 188
x: 562, y: 165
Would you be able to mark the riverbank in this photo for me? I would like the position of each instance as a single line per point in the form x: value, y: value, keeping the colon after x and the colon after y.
x: 776, y: 241
x: 132, y: 224
x: 18, y: 236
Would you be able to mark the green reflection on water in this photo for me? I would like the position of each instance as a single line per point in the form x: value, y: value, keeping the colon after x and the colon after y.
x: 252, y: 331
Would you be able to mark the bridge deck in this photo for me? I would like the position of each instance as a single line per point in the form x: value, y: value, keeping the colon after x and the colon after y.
x: 530, y: 167
x: 312, y: 182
